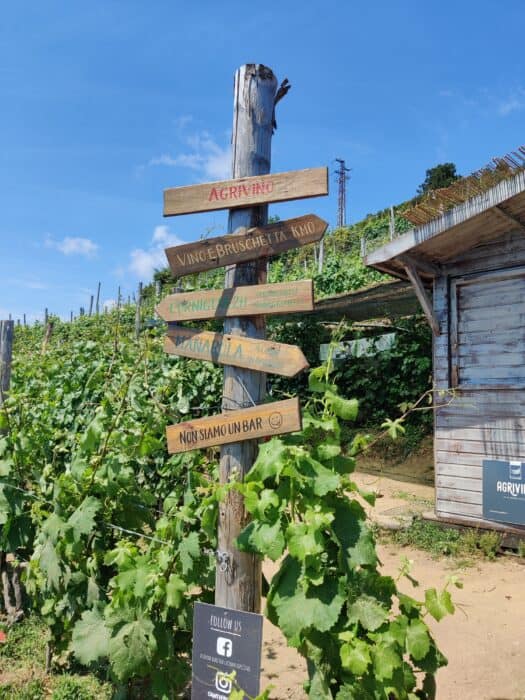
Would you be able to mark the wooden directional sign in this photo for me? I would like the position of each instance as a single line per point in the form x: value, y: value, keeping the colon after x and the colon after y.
x: 247, y: 424
x: 282, y: 298
x: 260, y: 355
x: 256, y: 243
x: 246, y: 191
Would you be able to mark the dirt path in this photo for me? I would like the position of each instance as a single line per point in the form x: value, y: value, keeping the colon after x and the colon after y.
x: 485, y: 639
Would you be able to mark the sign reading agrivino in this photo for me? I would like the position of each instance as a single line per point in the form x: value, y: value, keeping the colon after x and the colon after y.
x: 282, y: 298
x: 259, y: 242
x: 247, y: 424
x: 226, y: 652
x: 250, y: 353
x: 246, y: 191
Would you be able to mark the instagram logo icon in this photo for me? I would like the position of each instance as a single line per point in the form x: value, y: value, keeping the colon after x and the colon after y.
x: 223, y: 683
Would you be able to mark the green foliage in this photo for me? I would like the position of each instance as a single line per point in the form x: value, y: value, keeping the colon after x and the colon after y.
x: 440, y: 540
x: 441, y: 175
x: 116, y: 532
x: 395, y: 376
x: 361, y: 637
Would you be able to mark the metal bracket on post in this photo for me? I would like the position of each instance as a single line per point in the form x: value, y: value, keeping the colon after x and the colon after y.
x: 225, y: 565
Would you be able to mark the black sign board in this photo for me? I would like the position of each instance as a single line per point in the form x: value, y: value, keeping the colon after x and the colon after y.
x: 225, y: 641
x: 504, y: 491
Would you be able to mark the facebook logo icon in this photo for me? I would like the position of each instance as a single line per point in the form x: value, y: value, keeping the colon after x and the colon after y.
x: 224, y: 647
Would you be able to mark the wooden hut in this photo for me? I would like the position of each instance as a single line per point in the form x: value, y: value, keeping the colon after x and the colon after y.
x: 467, y: 267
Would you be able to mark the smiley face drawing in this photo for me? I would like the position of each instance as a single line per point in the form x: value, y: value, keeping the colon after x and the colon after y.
x: 275, y: 420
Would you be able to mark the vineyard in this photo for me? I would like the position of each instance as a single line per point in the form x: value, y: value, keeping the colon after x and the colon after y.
x: 114, y: 540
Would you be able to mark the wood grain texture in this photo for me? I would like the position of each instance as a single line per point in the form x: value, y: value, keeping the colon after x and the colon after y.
x: 236, y: 426
x: 250, y: 353
x: 258, y: 242
x: 261, y: 299
x: 255, y: 88
x: 7, y: 329
x: 246, y: 191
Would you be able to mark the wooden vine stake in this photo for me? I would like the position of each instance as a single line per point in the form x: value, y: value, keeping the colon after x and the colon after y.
x: 255, y: 88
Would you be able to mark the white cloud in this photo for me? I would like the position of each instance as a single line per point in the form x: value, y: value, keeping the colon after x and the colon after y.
x: 71, y: 245
x: 513, y: 103
x: 144, y: 262
x: 205, y: 156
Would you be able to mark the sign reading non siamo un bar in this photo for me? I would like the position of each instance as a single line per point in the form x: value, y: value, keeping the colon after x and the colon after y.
x: 255, y: 243
x: 236, y: 426
x: 250, y: 353
x: 282, y: 298
x: 246, y: 191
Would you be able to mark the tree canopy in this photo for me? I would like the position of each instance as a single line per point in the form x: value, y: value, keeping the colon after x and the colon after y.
x: 441, y: 175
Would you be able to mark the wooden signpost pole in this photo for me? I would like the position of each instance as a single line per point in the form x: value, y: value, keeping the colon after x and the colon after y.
x: 255, y: 87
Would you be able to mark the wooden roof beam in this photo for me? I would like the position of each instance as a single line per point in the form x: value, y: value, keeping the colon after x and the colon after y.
x: 422, y: 296
x: 508, y: 218
x: 423, y: 265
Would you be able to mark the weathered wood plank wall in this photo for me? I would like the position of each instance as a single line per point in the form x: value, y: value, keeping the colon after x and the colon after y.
x: 481, y: 349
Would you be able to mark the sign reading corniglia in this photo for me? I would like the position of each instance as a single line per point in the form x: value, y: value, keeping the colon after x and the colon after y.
x: 253, y: 300
x: 236, y: 426
x: 255, y: 243
x: 246, y: 191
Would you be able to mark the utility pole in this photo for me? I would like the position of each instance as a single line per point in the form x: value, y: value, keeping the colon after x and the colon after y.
x: 342, y: 177
x: 238, y: 579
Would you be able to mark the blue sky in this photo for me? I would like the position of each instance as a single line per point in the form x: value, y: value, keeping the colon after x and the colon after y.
x: 106, y: 103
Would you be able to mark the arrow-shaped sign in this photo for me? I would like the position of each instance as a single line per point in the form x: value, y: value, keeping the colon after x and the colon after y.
x: 282, y: 298
x: 259, y: 242
x: 235, y: 426
x: 250, y: 353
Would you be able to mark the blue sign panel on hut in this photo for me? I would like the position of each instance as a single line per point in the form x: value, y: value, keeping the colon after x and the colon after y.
x: 504, y: 491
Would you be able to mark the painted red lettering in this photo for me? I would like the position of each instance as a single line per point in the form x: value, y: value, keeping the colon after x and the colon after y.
x: 213, y: 194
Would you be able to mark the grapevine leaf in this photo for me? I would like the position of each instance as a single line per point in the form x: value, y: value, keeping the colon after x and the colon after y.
x: 343, y: 408
x: 189, y: 549
x: 132, y: 650
x: 323, y: 480
x: 343, y: 465
x: 328, y: 449
x: 5, y: 507
x: 262, y: 538
x: 315, y: 380
x: 270, y: 461
x: 5, y: 466
x: 368, y: 612
x: 386, y: 661
x: 50, y: 564
x: 297, y: 610
x: 90, y: 441
x: 83, y: 519
x: 355, y: 656
x: 417, y: 639
x: 355, y: 538
x: 438, y: 605
x: 175, y: 589
x: 90, y: 639
x: 304, y: 541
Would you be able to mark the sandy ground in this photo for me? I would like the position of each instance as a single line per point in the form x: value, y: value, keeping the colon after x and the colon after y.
x: 485, y: 639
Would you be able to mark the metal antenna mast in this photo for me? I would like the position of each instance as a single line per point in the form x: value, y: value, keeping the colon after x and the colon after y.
x: 341, y: 203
